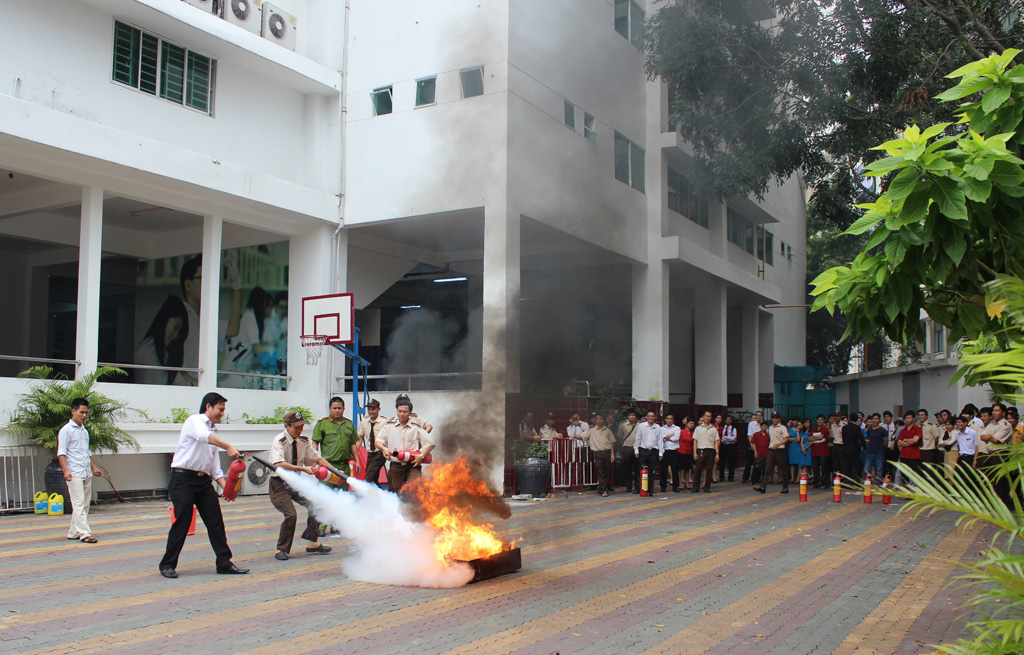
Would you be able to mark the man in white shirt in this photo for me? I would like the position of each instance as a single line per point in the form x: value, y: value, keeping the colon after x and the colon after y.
x: 778, y: 437
x: 575, y: 429
x: 966, y: 441
x: 195, y: 464
x: 706, y: 443
x: 753, y: 427
x: 76, y: 461
x: 727, y: 450
x: 649, y: 447
x: 670, y: 458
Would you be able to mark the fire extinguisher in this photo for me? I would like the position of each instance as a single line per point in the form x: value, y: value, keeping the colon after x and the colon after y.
x: 406, y: 456
x: 886, y: 495
x: 803, y: 487
x: 837, y: 489
x: 327, y: 477
x: 867, y: 490
x: 644, y: 482
x: 233, y: 483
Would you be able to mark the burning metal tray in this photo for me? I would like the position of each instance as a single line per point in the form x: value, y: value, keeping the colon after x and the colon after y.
x: 485, y: 568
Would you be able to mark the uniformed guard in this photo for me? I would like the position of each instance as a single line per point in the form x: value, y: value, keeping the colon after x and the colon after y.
x: 292, y: 451
x: 403, y: 434
x: 414, y: 418
x: 335, y: 437
x: 372, y: 434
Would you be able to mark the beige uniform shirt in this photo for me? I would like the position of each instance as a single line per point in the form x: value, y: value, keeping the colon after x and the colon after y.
x: 705, y: 436
x: 1000, y: 430
x: 600, y: 438
x: 777, y: 434
x: 379, y: 428
x: 406, y: 437
x: 414, y: 418
x: 627, y: 431
x: 836, y: 432
x: 930, y: 435
x: 281, y: 451
x: 547, y: 433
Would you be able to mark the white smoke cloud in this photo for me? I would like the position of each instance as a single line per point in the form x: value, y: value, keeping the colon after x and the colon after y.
x: 390, y: 549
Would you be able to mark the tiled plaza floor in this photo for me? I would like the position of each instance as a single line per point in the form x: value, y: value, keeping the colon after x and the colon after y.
x: 727, y: 572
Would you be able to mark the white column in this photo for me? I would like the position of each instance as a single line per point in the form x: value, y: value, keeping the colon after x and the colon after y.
x: 766, y: 352
x: 710, y: 351
x: 751, y: 358
x: 680, y: 349
x: 318, y: 265
x: 90, y: 255
x: 718, y: 229
x: 650, y: 331
x: 501, y: 302
x: 209, y: 308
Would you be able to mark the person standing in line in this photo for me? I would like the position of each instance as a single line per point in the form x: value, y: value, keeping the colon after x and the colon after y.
x: 527, y: 431
x: 820, y: 459
x: 75, y: 460
x: 719, y: 425
x: 405, y: 435
x: 335, y: 438
x: 576, y: 428
x: 778, y: 438
x: 930, y: 435
x: 853, y: 445
x: 727, y: 451
x: 891, y: 454
x: 753, y: 427
x: 194, y: 465
x: 970, y: 410
x: 993, y: 439
x: 686, y: 452
x: 909, y: 443
x: 760, y: 441
x: 602, y: 447
x: 371, y: 433
x: 876, y: 440
x: 670, y: 456
x: 291, y: 451
x: 835, y: 444
x: 706, y: 440
x: 1013, y: 417
x: 626, y: 438
x: 966, y: 440
x: 794, y: 449
x: 548, y: 431
x: 649, y: 448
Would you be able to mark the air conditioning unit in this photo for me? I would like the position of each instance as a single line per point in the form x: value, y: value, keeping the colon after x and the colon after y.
x: 247, y: 14
x: 211, y: 6
x: 279, y: 26
x: 256, y: 479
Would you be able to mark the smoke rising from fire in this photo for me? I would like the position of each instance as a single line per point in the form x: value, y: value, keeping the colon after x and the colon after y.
x: 389, y: 547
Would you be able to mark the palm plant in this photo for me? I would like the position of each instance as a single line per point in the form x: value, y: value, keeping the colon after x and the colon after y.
x: 46, y: 408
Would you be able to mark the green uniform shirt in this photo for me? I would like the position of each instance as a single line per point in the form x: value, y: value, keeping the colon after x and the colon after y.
x: 337, y: 440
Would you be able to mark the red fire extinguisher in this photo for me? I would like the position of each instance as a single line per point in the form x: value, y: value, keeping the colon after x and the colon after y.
x: 644, y: 482
x: 803, y: 487
x: 328, y: 477
x: 406, y: 456
x: 886, y: 494
x: 233, y: 483
x: 837, y: 489
x: 867, y: 490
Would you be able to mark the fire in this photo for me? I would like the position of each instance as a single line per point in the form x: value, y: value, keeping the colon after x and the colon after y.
x: 447, y: 499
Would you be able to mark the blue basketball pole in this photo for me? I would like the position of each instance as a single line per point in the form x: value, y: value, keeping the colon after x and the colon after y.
x: 359, y: 366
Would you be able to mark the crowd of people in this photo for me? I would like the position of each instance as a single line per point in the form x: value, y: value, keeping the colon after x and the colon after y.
x: 691, y: 454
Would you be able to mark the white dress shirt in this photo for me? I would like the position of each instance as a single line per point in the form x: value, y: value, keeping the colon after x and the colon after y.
x: 73, y: 443
x: 670, y: 437
x: 966, y: 441
x: 728, y: 434
x: 649, y: 436
x: 575, y: 431
x: 194, y: 452
x: 752, y: 428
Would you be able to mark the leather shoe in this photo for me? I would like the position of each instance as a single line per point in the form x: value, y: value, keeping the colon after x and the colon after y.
x: 169, y: 573
x: 232, y: 569
x: 759, y: 490
x: 281, y: 556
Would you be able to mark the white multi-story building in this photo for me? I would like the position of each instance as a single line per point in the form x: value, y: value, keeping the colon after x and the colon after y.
x: 496, y: 182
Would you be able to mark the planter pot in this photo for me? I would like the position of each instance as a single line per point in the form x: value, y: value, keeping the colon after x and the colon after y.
x: 619, y: 468
x: 53, y: 478
x: 532, y: 476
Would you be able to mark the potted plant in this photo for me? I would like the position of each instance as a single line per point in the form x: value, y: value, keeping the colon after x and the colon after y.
x: 533, y: 467
x: 46, y: 408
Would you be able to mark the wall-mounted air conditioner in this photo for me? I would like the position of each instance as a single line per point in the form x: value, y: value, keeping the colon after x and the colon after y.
x: 247, y: 14
x: 212, y: 6
x: 256, y: 479
x: 279, y: 26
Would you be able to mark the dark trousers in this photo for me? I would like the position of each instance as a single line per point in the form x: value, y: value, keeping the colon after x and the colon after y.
x: 757, y: 468
x: 776, y: 460
x: 374, y: 463
x: 915, y: 466
x: 673, y: 461
x: 726, y: 460
x: 281, y: 497
x: 852, y: 465
x: 891, y: 457
x: 649, y: 460
x: 965, y: 462
x: 603, y: 466
x: 705, y: 466
x: 632, y: 470
x: 836, y: 455
x: 1001, y: 486
x: 822, y: 469
x: 402, y: 472
x: 185, y: 491
x: 748, y: 466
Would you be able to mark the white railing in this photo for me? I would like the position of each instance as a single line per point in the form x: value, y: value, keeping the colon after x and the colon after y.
x: 21, y: 475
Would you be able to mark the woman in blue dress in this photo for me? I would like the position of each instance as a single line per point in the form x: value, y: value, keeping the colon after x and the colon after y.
x: 806, y: 461
x: 793, y: 450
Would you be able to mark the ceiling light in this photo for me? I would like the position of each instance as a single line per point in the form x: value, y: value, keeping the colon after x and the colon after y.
x: 449, y: 279
x: 410, y: 307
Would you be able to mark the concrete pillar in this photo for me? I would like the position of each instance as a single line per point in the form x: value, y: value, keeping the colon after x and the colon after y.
x: 317, y: 265
x: 650, y: 331
x: 766, y: 352
x: 501, y: 287
x: 751, y: 357
x: 718, y: 226
x: 710, y: 349
x: 680, y: 348
x: 90, y: 256
x: 209, y: 309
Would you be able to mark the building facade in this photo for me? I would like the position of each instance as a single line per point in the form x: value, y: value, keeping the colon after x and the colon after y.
x: 496, y: 182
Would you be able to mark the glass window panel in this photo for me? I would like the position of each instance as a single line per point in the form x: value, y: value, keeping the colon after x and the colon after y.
x: 636, y: 167
x: 148, y: 63
x: 769, y: 248
x: 622, y: 17
x: 621, y: 158
x: 426, y: 91
x: 126, y: 54
x: 570, y: 114
x: 198, y: 88
x: 172, y: 72
x: 381, y: 101
x: 636, y: 25
x: 472, y: 82
x: 588, y: 128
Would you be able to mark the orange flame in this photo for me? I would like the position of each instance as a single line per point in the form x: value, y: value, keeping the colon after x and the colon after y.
x: 447, y: 498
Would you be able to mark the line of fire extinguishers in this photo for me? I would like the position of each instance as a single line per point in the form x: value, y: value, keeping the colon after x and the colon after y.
x: 837, y: 488
x: 327, y: 474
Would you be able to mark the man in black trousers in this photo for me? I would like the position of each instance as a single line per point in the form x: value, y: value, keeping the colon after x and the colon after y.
x: 195, y: 465
x: 853, y: 445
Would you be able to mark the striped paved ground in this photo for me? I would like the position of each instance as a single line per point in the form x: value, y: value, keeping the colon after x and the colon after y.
x: 729, y: 572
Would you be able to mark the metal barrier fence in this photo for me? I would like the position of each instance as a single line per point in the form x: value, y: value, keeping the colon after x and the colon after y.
x: 571, y: 465
x: 21, y: 475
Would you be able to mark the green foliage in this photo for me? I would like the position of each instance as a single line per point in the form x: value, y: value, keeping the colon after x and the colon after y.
x: 524, y: 448
x: 278, y: 416
x: 46, y: 408
x: 948, y: 223
x: 180, y: 414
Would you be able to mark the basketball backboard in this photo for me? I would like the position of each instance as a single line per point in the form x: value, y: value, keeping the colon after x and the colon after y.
x: 331, y: 316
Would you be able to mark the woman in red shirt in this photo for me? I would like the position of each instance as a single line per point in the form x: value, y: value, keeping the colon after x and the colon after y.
x: 686, y: 452
x: 820, y: 455
x: 909, y: 443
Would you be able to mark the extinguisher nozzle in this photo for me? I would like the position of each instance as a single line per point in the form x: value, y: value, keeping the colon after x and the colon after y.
x: 262, y: 461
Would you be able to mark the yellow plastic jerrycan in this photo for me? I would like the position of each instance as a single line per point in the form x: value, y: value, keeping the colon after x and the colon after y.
x: 56, y: 505
x: 42, y: 502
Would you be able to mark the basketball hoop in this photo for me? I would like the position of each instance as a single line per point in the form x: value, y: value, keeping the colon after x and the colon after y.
x: 313, y: 343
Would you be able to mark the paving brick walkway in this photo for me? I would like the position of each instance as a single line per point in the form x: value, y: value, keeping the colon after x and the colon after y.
x: 727, y: 572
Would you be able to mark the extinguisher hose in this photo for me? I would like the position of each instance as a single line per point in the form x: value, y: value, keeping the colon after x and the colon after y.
x: 106, y: 475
